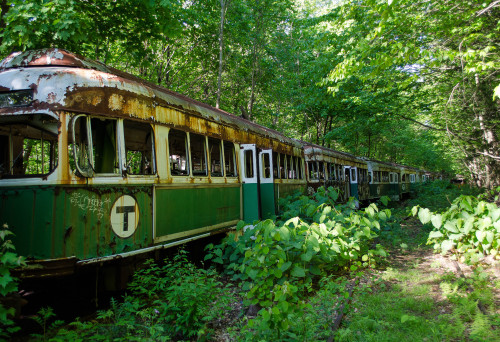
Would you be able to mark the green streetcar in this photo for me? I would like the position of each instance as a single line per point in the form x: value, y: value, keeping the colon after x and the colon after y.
x: 98, y: 165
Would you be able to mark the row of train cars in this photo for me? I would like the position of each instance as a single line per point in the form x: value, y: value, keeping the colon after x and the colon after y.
x: 98, y: 165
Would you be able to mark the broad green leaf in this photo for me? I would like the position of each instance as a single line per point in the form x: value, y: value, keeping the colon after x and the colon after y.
x: 490, y: 236
x: 307, y: 256
x: 437, y: 220
x: 286, y: 266
x: 480, y: 235
x: 446, y: 245
x: 451, y: 226
x: 435, y: 234
x: 285, y: 234
x: 466, y: 203
x: 424, y: 215
x: 298, y: 271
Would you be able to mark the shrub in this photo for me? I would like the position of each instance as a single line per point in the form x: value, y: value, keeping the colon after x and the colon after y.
x: 469, y: 229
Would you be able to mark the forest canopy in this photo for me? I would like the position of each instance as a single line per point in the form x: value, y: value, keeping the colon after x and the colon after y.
x: 409, y: 81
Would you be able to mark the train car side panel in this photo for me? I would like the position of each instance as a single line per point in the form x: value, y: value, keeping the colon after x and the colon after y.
x: 180, y: 211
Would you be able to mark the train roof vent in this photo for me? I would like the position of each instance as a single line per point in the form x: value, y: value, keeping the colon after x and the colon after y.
x: 50, y: 57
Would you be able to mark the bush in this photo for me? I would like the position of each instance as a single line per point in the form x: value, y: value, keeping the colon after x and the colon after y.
x: 278, y: 263
x: 8, y: 284
x: 174, y: 301
x: 469, y: 229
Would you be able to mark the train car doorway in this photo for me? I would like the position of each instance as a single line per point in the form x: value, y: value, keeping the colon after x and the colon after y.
x: 351, y: 174
x: 249, y: 182
x: 257, y: 183
x: 266, y: 184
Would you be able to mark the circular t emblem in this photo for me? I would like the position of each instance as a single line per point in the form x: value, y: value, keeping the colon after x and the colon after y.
x: 403, y: 186
x: 124, y: 216
x: 378, y: 190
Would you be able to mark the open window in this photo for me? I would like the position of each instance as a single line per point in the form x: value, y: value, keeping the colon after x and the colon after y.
x: 215, y: 151
x: 198, y: 146
x: 265, y: 165
x: 353, y: 175
x: 230, y: 159
x: 28, y: 146
x: 139, y: 148
x: 300, y: 167
x: 292, y: 174
x: 178, y: 147
x: 95, y: 147
x: 321, y: 170
x: 312, y: 169
x: 248, y: 163
x: 282, y: 164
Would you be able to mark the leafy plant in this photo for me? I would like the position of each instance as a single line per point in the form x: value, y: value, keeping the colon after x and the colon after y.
x: 8, y: 284
x: 279, y: 263
x: 469, y: 229
x: 43, y: 318
x: 175, y: 300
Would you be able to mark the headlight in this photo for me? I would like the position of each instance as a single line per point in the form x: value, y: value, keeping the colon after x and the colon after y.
x: 16, y: 98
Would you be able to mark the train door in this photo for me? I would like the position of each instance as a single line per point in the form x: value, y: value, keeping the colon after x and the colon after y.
x: 353, y: 180
x: 249, y: 182
x: 266, y: 184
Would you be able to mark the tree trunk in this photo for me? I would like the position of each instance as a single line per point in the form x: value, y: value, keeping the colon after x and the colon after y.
x: 223, y: 6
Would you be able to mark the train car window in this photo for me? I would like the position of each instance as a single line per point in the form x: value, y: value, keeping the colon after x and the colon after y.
x: 329, y: 171
x: 291, y: 167
x: 28, y: 146
x: 248, y: 164
x: 353, y: 175
x: 295, y: 167
x: 104, y: 146
x: 230, y: 159
x: 300, y: 162
x: 266, y: 165
x: 385, y: 176
x: 177, y: 146
x: 215, y: 152
x: 139, y: 148
x: 321, y: 170
x: 198, y: 146
x: 282, y: 166
x: 370, y: 177
x: 275, y: 165
x: 313, y: 170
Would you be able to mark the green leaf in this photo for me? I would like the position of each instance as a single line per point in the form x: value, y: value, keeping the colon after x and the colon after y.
x: 286, y: 266
x: 424, y: 215
x: 446, y: 245
x: 307, y: 256
x: 437, y: 220
x: 480, y: 235
x: 298, y: 271
x: 435, y: 234
x: 451, y: 226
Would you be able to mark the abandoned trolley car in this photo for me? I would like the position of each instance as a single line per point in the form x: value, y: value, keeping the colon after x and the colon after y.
x: 96, y: 164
